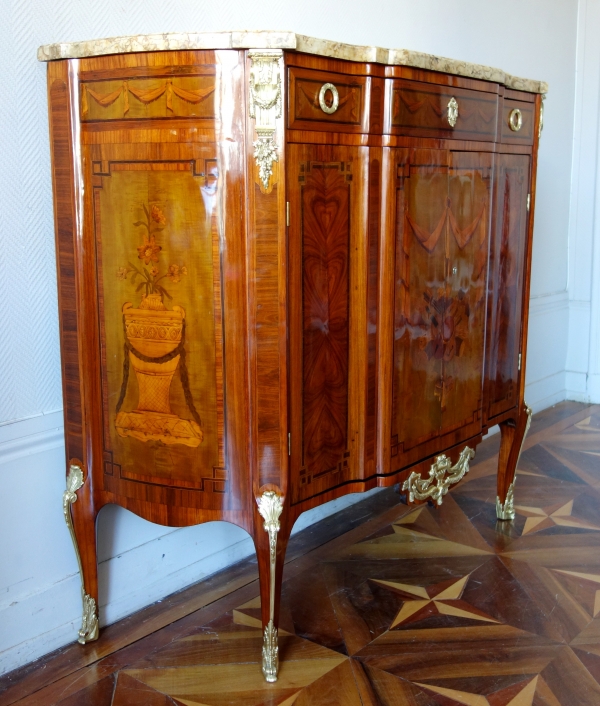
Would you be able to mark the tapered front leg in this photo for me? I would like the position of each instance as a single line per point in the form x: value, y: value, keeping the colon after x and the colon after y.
x: 80, y: 517
x: 270, y: 549
x: 513, y: 433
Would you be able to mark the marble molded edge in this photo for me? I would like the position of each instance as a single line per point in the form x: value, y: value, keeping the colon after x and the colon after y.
x: 284, y: 40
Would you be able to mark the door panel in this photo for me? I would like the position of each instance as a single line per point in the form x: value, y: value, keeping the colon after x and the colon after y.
x: 464, y: 323
x: 422, y: 188
x: 442, y: 238
x: 327, y: 315
x: 506, y: 281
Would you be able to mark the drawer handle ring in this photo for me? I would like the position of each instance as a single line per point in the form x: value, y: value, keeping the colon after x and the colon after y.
x: 329, y: 109
x: 515, y: 120
x: 452, y: 111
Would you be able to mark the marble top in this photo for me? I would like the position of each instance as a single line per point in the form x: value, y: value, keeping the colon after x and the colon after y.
x: 284, y: 40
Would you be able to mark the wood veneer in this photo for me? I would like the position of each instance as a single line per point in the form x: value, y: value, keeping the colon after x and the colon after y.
x: 329, y: 329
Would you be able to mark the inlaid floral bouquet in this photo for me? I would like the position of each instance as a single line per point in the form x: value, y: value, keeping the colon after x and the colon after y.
x: 148, y: 253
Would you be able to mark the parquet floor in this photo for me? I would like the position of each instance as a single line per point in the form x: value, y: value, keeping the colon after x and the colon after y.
x: 386, y: 605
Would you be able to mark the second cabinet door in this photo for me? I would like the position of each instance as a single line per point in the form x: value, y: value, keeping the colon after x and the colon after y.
x: 441, y: 253
x: 328, y: 315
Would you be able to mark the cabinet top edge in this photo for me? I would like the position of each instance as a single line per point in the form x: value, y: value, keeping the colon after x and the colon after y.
x: 186, y: 41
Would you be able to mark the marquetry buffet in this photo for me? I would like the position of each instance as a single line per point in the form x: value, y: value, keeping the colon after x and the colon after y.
x: 288, y: 269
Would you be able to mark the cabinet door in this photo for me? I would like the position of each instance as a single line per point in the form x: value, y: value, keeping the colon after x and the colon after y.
x: 442, y: 227
x: 327, y: 251
x: 469, y: 212
x: 421, y: 218
x: 506, y: 281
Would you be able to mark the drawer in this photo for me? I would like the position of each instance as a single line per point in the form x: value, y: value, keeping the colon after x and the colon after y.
x: 324, y: 100
x: 428, y: 110
x: 518, y: 121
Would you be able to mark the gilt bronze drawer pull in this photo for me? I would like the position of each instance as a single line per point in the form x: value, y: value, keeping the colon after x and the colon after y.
x: 329, y: 109
x: 515, y: 120
x: 452, y: 111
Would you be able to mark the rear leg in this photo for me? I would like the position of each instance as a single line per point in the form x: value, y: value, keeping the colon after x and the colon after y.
x: 513, y: 433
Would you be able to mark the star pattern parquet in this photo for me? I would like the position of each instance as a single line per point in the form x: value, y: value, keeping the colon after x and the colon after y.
x: 416, y: 606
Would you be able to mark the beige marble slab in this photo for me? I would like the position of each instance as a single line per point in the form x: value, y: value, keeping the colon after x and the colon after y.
x: 284, y: 40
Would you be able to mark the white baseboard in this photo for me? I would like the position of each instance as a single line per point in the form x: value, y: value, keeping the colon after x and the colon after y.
x: 546, y: 392
x: 594, y: 388
x: 31, y: 436
x: 40, y: 623
x: 548, y: 303
x: 583, y: 388
x: 576, y: 383
x: 579, y: 336
x: 546, y: 350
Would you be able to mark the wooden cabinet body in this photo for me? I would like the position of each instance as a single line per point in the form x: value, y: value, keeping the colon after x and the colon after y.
x: 283, y: 278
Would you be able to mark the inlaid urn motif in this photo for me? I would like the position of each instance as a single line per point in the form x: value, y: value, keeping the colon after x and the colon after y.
x: 155, y: 349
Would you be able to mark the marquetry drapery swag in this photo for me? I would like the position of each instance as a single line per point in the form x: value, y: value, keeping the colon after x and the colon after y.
x: 144, y: 96
x: 462, y: 235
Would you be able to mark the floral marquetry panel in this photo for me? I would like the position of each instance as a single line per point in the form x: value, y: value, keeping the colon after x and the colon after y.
x: 160, y: 305
x: 442, y: 217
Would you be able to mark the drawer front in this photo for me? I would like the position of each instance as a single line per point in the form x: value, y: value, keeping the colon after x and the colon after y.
x: 428, y: 110
x: 324, y: 100
x: 518, y: 120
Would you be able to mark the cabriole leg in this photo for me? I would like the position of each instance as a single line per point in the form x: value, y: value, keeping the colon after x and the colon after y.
x: 82, y: 527
x: 270, y: 506
x: 513, y: 433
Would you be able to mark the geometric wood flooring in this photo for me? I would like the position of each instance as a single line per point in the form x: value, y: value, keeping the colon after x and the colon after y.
x: 385, y: 604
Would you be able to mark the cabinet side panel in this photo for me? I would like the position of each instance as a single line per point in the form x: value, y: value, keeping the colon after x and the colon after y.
x: 529, y: 243
x: 164, y: 333
x: 507, y: 276
x: 64, y: 219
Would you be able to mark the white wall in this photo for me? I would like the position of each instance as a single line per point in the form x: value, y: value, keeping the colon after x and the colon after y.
x: 39, y: 599
x: 583, y: 359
